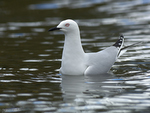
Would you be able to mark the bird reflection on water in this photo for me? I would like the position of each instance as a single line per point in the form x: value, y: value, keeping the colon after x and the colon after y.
x: 81, y: 86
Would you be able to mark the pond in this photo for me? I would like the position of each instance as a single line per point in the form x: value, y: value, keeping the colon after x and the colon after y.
x: 30, y: 57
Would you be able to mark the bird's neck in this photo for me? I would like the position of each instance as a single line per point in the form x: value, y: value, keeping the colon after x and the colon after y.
x: 73, y: 55
x: 72, y: 45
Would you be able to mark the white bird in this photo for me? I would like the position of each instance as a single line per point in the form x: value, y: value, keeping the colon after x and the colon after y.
x: 76, y: 62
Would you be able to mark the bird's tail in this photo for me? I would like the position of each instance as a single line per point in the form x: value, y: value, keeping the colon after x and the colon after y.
x: 120, y: 45
x: 123, y: 49
x: 132, y: 45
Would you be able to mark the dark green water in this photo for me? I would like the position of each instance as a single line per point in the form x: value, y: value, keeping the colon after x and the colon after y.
x: 30, y: 57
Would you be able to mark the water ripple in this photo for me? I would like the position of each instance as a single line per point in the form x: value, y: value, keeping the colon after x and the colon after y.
x: 30, y: 57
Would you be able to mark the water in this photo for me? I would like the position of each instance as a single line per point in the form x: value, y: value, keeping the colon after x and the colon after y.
x: 30, y: 57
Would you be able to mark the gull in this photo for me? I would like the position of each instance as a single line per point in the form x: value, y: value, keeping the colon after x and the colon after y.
x: 76, y: 62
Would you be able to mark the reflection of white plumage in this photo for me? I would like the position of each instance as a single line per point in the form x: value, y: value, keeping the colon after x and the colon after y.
x: 76, y: 62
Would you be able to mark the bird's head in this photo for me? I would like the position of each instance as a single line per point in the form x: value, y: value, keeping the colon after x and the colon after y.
x: 66, y: 26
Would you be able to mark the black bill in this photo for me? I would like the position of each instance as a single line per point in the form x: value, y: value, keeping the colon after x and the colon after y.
x: 54, y: 28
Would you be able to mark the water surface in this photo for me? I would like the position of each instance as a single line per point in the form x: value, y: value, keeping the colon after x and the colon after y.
x: 30, y: 57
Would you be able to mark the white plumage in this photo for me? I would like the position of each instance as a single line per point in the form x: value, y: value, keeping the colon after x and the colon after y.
x: 75, y: 61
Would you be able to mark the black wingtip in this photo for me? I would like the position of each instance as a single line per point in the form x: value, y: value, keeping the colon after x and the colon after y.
x: 121, y: 37
x: 119, y: 42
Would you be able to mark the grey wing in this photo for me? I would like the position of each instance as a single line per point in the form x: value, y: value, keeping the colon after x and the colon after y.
x: 102, y: 61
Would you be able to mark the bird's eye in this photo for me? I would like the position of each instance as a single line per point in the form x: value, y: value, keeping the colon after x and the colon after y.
x: 67, y: 24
